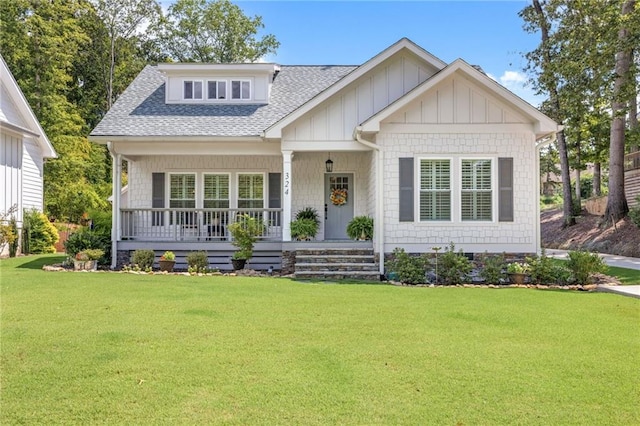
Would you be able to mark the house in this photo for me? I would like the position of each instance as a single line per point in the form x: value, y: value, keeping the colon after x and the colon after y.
x: 24, y: 148
x: 434, y: 152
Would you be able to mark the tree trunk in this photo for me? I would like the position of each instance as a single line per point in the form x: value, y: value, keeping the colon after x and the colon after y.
x: 617, y: 206
x: 567, y: 200
x: 597, y: 181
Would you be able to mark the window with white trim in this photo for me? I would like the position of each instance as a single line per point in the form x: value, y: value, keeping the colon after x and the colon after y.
x: 241, y: 89
x: 216, y: 89
x: 251, y: 191
x: 435, y: 189
x: 182, y: 190
x: 192, y: 89
x: 476, y: 196
x: 216, y: 191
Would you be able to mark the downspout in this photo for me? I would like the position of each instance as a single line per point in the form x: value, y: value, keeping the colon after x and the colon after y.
x: 379, y: 220
x: 552, y: 138
x: 116, y: 173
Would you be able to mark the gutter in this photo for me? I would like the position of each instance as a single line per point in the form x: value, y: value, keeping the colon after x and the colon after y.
x: 116, y: 180
x: 357, y: 134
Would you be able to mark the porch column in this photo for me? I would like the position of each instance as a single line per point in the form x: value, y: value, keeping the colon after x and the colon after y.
x: 286, y: 195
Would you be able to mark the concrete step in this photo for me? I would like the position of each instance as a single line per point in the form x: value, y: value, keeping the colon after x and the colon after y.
x: 334, y: 252
x: 313, y: 258
x: 345, y: 267
x: 338, y: 275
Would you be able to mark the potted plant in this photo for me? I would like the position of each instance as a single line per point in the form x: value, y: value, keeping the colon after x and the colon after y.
x: 517, y: 272
x: 360, y: 228
x: 87, y: 260
x: 245, y: 232
x: 305, y: 226
x: 167, y: 261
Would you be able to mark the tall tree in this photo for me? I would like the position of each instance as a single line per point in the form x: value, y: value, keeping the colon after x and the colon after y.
x: 213, y: 31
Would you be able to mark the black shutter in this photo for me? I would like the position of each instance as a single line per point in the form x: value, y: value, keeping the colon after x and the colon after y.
x: 275, y: 195
x: 505, y: 189
x: 157, y: 198
x: 406, y: 190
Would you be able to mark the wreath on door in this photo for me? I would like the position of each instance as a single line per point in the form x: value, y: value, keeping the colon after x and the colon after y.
x: 338, y: 196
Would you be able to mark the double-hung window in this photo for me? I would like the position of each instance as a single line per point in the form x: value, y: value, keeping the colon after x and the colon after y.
x: 192, y: 89
x: 216, y: 89
x: 240, y: 89
x: 251, y: 191
x: 182, y: 195
x: 476, y: 197
x: 435, y: 189
x: 216, y: 191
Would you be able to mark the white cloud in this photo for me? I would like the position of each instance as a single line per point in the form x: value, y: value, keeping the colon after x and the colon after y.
x: 517, y: 82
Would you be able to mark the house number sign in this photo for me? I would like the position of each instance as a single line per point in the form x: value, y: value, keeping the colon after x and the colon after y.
x: 287, y: 183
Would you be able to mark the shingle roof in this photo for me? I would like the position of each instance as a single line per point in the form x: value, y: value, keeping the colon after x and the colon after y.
x: 141, y: 109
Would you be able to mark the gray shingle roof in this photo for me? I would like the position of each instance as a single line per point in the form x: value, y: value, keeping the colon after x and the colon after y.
x: 141, y: 109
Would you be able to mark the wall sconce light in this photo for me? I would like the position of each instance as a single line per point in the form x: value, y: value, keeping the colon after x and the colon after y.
x: 329, y: 165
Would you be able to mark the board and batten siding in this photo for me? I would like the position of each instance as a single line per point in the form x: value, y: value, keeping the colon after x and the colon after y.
x: 11, y: 173
x: 32, y: 173
x: 336, y: 118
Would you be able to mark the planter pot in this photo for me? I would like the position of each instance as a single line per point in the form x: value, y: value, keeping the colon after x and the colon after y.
x: 166, y: 265
x: 517, y: 278
x: 85, y: 265
x: 238, y: 264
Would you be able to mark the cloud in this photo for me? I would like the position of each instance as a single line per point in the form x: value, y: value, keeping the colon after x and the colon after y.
x: 517, y: 82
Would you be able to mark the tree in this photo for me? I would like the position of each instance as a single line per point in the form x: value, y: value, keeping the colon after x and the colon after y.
x: 212, y: 31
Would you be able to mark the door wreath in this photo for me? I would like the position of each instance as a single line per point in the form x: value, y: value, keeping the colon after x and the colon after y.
x: 338, y: 196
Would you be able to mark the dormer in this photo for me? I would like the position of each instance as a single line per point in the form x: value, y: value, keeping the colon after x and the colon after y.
x: 191, y: 83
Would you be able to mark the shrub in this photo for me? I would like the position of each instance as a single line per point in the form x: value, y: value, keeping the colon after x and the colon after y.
x: 13, y: 245
x: 542, y: 269
x: 493, y: 268
x: 143, y: 258
x: 198, y: 261
x: 583, y: 265
x: 303, y: 229
x: 41, y: 234
x: 84, y: 239
x: 309, y: 213
x: 408, y: 269
x: 245, y: 232
x: 360, y: 227
x: 90, y: 254
x: 634, y: 213
x: 453, y: 268
x: 518, y: 268
x: 168, y: 255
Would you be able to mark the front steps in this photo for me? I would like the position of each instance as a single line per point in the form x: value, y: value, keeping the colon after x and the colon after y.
x: 336, y: 264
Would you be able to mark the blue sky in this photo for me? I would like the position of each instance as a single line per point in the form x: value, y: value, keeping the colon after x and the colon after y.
x: 485, y: 33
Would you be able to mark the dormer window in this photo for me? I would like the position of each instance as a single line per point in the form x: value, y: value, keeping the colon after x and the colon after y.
x: 241, y: 89
x: 216, y: 89
x: 192, y: 89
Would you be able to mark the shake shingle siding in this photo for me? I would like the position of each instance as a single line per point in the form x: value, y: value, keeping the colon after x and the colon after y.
x: 141, y: 109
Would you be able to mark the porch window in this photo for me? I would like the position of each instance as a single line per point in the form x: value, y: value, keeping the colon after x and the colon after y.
x: 216, y: 191
x: 476, y: 195
x: 216, y: 89
x: 435, y: 190
x: 240, y: 89
x: 182, y: 195
x: 251, y: 191
x: 192, y: 89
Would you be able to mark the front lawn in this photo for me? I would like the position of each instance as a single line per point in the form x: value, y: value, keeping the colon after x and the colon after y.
x: 83, y: 348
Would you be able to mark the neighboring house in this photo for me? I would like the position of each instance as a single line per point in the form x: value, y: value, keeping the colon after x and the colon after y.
x: 434, y: 152
x: 22, y: 153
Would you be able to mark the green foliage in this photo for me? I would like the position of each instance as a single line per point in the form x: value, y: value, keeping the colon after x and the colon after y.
x: 360, y: 227
x: 245, y: 232
x: 518, y: 268
x: 634, y: 212
x: 7, y: 234
x: 493, y: 268
x: 198, y: 261
x: 407, y: 268
x: 13, y: 245
x: 90, y: 254
x: 84, y: 239
x: 542, y: 269
x: 143, y: 258
x: 41, y: 234
x: 309, y: 213
x: 453, y: 268
x: 168, y: 255
x: 303, y: 229
x: 213, y: 31
x: 583, y: 265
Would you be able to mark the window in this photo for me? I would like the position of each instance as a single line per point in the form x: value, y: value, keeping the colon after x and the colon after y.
x: 216, y: 191
x: 435, y: 190
x: 240, y: 89
x: 250, y: 191
x: 192, y: 89
x: 216, y: 89
x: 182, y: 195
x: 476, y: 194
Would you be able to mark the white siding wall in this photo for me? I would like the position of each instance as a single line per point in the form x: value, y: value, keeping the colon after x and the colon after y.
x: 259, y: 88
x: 336, y: 118
x: 32, y: 173
x: 517, y: 236
x: 8, y: 109
x: 11, y: 173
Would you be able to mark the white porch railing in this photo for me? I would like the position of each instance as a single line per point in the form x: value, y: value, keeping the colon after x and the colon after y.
x: 193, y: 224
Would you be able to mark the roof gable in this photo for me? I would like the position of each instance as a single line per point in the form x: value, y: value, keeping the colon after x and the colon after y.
x: 460, y: 94
x: 22, y: 119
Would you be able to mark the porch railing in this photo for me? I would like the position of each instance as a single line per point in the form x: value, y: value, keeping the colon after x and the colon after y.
x: 193, y: 224
x: 632, y: 161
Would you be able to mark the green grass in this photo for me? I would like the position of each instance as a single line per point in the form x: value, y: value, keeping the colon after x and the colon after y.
x: 83, y: 348
x: 626, y: 276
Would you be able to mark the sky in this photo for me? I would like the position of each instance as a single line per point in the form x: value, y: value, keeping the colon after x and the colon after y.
x: 482, y: 32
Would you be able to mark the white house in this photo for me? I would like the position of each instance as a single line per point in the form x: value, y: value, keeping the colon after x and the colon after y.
x: 22, y: 153
x: 434, y: 152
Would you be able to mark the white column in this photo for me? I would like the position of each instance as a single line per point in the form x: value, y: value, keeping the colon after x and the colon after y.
x: 287, y: 156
